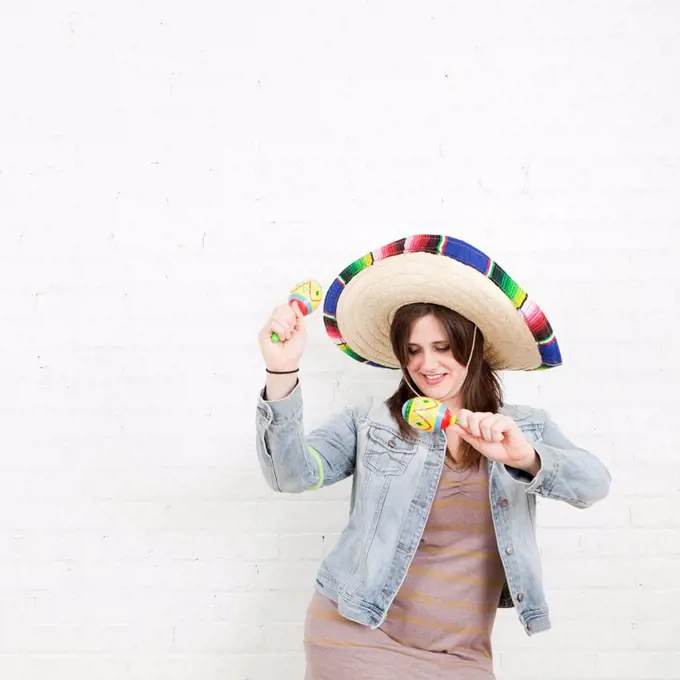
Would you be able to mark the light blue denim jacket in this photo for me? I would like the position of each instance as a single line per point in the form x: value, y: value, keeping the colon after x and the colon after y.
x: 394, y: 482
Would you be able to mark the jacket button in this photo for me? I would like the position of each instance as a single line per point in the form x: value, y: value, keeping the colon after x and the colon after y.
x: 503, y: 502
x: 528, y: 626
x: 391, y: 443
x: 520, y: 597
x: 509, y: 550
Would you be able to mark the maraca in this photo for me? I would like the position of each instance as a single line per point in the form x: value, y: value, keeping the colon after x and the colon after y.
x: 427, y: 414
x: 306, y: 295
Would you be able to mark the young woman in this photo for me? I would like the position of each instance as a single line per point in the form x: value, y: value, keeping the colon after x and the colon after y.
x: 441, y: 529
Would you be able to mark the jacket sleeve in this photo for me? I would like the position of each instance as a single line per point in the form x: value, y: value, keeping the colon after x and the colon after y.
x: 567, y: 473
x: 292, y: 462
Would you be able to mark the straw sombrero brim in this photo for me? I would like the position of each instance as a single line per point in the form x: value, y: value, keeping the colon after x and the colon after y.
x: 362, y: 301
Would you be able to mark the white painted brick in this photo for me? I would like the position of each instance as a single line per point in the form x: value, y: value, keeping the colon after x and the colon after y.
x: 615, y: 512
x: 303, y: 514
x: 86, y: 638
x: 134, y: 605
x: 528, y: 665
x: 639, y: 604
x: 124, y: 515
x: 191, y: 636
x: 284, y: 637
x: 134, y: 545
x: 655, y: 512
x: 166, y: 574
x: 226, y: 575
x: 297, y: 575
x: 64, y: 666
x: 642, y: 479
x: 142, y: 484
x: 622, y: 542
x: 589, y: 572
x: 33, y: 575
x: 301, y: 547
x: 607, y: 634
x: 657, y: 572
x: 638, y: 665
x: 152, y: 666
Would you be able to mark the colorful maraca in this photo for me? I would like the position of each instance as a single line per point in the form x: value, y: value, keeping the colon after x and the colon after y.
x: 427, y: 414
x: 306, y: 295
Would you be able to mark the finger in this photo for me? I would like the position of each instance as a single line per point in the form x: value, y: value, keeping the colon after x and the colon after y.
x: 294, y: 310
x: 515, y: 435
x: 463, y: 434
x: 473, y: 427
x: 486, y: 425
x: 506, y: 425
x: 277, y: 328
x: 285, y: 317
x: 496, y: 435
x: 493, y: 427
x: 284, y: 313
x: 502, y: 426
x: 287, y: 321
x: 299, y: 324
x: 474, y: 421
x: 462, y: 418
x: 297, y: 309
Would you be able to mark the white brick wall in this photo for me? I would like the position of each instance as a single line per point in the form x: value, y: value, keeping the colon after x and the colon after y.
x: 168, y: 169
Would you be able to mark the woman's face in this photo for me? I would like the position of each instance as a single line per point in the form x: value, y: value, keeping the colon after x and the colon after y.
x: 431, y: 363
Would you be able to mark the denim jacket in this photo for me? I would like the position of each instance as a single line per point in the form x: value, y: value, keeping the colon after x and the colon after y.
x: 394, y: 482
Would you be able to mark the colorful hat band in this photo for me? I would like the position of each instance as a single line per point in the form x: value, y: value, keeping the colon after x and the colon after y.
x: 463, y: 253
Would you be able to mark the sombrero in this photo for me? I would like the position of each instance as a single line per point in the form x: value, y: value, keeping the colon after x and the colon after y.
x: 362, y: 300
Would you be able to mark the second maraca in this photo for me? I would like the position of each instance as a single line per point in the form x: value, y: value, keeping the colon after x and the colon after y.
x: 306, y: 296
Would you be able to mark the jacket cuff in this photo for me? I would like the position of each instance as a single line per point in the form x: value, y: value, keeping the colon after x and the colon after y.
x: 542, y: 482
x: 281, y: 409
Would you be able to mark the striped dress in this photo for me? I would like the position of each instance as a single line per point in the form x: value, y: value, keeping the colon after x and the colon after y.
x: 439, y: 625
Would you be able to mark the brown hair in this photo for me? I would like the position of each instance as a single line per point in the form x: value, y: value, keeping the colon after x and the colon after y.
x: 481, y: 390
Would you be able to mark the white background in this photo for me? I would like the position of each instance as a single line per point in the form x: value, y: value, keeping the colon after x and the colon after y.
x: 169, y: 169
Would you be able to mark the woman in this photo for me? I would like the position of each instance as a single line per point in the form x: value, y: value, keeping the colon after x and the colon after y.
x: 441, y: 526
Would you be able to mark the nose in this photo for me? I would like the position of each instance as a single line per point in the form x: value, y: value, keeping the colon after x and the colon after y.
x: 430, y: 362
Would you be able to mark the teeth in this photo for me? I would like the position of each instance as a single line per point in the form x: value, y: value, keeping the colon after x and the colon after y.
x: 434, y: 377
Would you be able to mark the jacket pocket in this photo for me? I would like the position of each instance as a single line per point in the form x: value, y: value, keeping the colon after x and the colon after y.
x: 386, y: 452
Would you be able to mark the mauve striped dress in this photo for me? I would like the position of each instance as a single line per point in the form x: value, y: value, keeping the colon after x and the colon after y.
x: 439, y: 625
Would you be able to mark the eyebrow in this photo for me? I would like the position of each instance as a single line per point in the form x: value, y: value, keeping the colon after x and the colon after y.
x: 435, y: 342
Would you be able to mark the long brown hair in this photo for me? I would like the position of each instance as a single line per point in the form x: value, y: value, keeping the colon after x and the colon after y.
x: 481, y: 390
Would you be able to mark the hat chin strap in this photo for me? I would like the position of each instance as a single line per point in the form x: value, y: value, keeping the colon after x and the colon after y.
x: 458, y: 387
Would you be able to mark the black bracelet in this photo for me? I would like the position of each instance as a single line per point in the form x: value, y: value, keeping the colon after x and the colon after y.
x: 282, y: 372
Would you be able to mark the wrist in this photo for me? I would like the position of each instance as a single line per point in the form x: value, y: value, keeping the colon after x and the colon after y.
x: 291, y: 371
x: 281, y: 365
x: 531, y: 463
x: 279, y: 386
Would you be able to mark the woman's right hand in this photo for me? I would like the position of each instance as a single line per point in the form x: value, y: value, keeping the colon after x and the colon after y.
x: 289, y: 324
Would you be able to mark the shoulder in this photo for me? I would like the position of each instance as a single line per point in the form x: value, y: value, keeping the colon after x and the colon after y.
x: 374, y: 412
x: 360, y: 409
x: 525, y: 414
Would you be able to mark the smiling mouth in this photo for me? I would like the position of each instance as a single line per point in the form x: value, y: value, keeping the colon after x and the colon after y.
x: 433, y: 378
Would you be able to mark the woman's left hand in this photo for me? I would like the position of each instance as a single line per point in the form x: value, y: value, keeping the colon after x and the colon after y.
x: 498, y: 438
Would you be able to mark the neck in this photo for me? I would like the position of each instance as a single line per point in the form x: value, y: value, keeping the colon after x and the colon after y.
x: 454, y: 404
